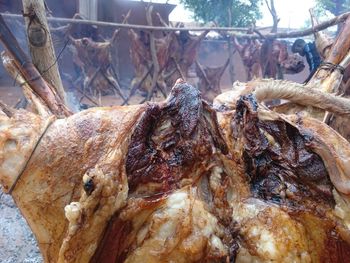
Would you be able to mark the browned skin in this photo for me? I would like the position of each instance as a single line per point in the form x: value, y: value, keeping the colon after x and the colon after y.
x: 53, y: 177
x: 282, y: 167
x: 269, y: 59
x: 177, y: 181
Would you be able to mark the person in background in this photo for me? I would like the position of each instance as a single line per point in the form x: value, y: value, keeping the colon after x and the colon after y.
x: 308, y: 50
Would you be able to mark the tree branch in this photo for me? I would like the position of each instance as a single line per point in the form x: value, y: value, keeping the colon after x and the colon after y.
x: 273, y: 13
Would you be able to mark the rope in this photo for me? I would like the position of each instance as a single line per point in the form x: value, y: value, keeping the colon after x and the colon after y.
x: 44, y: 71
x: 50, y: 121
x: 330, y: 66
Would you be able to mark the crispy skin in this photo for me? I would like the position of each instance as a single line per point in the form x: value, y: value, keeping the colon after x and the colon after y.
x: 53, y: 178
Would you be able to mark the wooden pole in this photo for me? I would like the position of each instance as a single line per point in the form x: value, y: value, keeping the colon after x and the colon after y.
x: 156, y: 68
x: 230, y: 49
x: 40, y: 44
x: 31, y: 74
x: 234, y: 31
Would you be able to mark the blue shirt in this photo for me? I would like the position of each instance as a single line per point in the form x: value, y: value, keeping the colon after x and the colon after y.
x: 312, y: 56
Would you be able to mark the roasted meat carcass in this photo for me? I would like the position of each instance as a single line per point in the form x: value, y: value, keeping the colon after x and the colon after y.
x: 209, y: 80
x: 170, y: 181
x: 269, y: 59
x: 95, y: 62
x: 181, y: 180
x: 183, y: 53
x: 141, y: 57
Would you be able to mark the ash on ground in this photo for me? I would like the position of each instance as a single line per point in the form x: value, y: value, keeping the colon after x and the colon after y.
x: 17, y: 243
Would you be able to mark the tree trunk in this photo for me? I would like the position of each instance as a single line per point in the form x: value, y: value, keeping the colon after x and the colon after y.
x: 273, y: 13
x: 40, y: 44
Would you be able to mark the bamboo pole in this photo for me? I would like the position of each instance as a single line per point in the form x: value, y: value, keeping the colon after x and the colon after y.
x: 40, y: 44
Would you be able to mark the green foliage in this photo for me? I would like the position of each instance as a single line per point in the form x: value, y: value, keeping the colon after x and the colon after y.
x: 244, y: 12
x: 335, y: 7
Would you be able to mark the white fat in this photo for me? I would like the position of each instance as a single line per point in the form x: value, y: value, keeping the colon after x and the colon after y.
x: 217, y: 244
x: 141, y: 235
x: 267, y: 243
x: 167, y: 229
x: 10, y: 145
x: 176, y: 204
x: 86, y: 178
x: 215, y: 178
x: 181, y: 225
x: 92, y: 248
x: 73, y: 212
x: 342, y: 208
x: 177, y: 201
x: 249, y: 209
